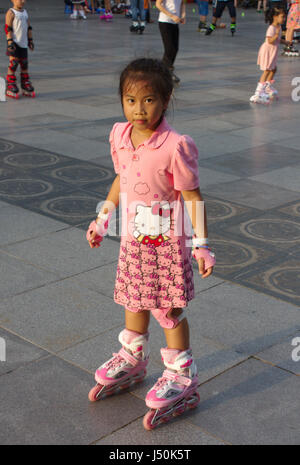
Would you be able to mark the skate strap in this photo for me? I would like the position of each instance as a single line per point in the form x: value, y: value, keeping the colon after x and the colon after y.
x: 177, y: 378
x: 129, y: 358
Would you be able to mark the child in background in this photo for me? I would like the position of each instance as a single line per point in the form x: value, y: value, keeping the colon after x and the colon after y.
x: 156, y: 172
x: 138, y: 11
x: 260, y: 3
x: 78, y: 10
x: 172, y: 13
x: 203, y: 13
x: 267, y: 56
x: 292, y: 25
x: 218, y: 8
x: 19, y: 37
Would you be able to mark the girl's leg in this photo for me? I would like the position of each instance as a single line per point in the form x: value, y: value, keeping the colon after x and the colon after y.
x: 137, y: 322
x: 289, y: 34
x: 179, y: 337
x: 264, y: 76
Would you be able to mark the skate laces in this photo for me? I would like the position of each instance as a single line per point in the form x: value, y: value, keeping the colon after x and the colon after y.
x: 121, y: 358
x: 172, y: 376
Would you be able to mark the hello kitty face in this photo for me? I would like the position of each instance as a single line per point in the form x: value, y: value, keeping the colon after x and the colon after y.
x: 152, y: 221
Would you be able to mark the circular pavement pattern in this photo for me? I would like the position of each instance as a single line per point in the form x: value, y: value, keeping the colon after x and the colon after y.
x: 31, y: 160
x: 23, y: 188
x: 272, y: 230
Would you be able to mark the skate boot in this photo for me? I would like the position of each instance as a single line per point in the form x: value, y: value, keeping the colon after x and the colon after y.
x: 107, y: 16
x: 74, y: 15
x: 141, y: 28
x: 124, y: 368
x: 210, y: 29
x: 28, y: 90
x: 270, y: 90
x: 12, y: 89
x: 81, y: 14
x: 232, y: 28
x: 175, y: 390
x: 134, y: 27
x: 260, y: 95
x: 290, y: 51
x: 202, y: 27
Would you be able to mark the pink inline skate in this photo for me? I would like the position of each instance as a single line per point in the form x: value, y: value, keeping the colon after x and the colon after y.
x: 175, y: 390
x: 126, y: 367
x: 107, y: 16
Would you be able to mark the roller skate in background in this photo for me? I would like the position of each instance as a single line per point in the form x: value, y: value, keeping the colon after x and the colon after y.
x: 12, y: 89
x: 27, y: 89
x: 290, y: 51
x: 175, y: 391
x: 107, y: 16
x: 126, y: 367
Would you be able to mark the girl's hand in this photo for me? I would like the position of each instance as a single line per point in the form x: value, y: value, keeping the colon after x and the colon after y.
x: 201, y: 265
x: 176, y: 19
x: 94, y: 239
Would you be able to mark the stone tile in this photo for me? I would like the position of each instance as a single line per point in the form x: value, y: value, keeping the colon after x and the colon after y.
x: 246, y: 405
x: 59, y: 315
x: 253, y: 161
x: 284, y: 355
x: 280, y: 279
x: 33, y: 225
x: 28, y: 392
x: 287, y: 177
x: 18, y: 352
x: 178, y: 432
x: 252, y: 193
x: 18, y: 276
x: 64, y: 252
x: 247, y: 322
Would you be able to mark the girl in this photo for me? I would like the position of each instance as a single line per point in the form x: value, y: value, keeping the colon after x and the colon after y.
x: 267, y: 56
x: 172, y: 12
x: 293, y: 23
x: 19, y: 38
x: 78, y: 9
x: 154, y: 167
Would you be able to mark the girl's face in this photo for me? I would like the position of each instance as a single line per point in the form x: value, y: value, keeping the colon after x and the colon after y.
x: 18, y: 4
x: 279, y: 19
x: 142, y: 107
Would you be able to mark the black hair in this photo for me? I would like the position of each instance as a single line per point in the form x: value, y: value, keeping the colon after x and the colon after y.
x: 271, y: 12
x: 153, y: 71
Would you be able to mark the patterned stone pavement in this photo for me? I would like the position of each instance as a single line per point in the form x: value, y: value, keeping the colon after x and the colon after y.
x: 54, y: 169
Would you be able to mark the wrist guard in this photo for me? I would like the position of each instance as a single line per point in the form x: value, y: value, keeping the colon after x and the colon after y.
x: 99, y: 228
x: 7, y: 29
x: 207, y: 255
x: 11, y: 47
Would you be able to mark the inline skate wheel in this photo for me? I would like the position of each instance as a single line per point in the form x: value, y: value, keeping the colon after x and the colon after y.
x: 94, y: 393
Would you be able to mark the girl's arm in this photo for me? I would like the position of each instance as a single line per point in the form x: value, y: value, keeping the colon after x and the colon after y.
x: 272, y: 39
x: 9, y: 18
x: 197, y: 213
x: 182, y: 12
x: 112, y: 199
x: 160, y: 7
x: 110, y: 204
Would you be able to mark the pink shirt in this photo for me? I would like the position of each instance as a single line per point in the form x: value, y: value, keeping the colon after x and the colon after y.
x: 151, y: 178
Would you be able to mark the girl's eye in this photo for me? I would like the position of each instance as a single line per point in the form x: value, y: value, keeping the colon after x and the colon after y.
x: 149, y: 100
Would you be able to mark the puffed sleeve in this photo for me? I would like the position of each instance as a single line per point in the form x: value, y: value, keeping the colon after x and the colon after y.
x: 113, y: 151
x: 184, y: 165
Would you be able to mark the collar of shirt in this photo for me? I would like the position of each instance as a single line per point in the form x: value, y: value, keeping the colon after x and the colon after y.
x: 155, y: 141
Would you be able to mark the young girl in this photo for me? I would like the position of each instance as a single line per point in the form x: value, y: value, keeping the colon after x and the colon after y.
x: 78, y: 9
x: 292, y: 25
x: 19, y: 38
x: 172, y: 12
x: 156, y: 168
x: 267, y: 56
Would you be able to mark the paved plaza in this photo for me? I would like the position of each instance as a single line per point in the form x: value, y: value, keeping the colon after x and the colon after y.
x: 58, y: 320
